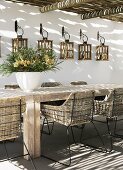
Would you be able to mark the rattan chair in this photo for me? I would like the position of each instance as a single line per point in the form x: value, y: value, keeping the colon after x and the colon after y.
x: 47, y: 122
x: 76, y: 110
x: 10, y: 123
x: 78, y: 83
x: 117, y: 112
x: 103, y: 107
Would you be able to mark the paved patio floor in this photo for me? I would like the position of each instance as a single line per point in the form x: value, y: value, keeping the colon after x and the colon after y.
x: 55, y: 146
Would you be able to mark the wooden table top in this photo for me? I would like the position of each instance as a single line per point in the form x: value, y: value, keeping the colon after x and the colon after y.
x: 60, y: 92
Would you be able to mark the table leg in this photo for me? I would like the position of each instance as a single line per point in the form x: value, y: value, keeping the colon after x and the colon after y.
x: 32, y: 127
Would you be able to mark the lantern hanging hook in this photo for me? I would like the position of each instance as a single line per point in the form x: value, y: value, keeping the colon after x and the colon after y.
x: 83, y: 37
x: 100, y: 38
x: 65, y: 34
x: 43, y: 32
x: 18, y: 29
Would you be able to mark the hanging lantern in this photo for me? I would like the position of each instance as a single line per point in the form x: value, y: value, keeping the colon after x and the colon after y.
x: 67, y: 47
x: 19, y: 42
x: 45, y: 43
x: 84, y: 49
x: 102, y: 49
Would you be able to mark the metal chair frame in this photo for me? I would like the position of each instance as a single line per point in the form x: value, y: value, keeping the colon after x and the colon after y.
x: 71, y: 125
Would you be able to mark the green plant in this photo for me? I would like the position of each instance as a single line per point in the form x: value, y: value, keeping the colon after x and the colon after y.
x: 29, y: 60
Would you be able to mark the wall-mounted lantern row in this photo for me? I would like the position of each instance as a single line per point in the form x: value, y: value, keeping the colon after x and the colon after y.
x: 102, y: 49
x: 66, y: 47
x: 84, y: 49
x: 19, y: 42
x: 45, y: 43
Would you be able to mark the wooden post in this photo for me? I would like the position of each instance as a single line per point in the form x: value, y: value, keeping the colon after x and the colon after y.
x: 32, y: 127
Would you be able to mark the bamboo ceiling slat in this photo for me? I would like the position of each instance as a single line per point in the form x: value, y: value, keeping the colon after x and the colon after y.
x: 109, y: 9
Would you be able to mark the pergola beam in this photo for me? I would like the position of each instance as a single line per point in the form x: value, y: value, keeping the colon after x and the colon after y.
x: 101, y: 13
x: 63, y: 4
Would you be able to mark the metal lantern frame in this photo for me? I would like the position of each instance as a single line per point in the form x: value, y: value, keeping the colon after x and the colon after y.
x: 66, y: 47
x: 102, y: 50
x: 84, y: 49
x: 19, y: 42
x: 45, y: 43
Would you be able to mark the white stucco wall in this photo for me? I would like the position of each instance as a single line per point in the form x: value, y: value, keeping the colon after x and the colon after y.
x: 92, y: 71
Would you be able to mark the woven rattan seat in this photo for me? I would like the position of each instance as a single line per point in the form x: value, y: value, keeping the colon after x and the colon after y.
x: 10, y: 118
x: 78, y: 83
x: 77, y: 109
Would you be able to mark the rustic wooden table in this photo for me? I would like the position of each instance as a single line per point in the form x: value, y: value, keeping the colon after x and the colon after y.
x: 32, y: 121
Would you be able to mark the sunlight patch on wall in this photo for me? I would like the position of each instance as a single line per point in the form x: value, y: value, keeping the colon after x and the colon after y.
x: 19, y: 19
x: 56, y: 46
x: 8, y: 43
x: 111, y: 68
x: 9, y: 34
x: 9, y: 2
x: 68, y: 21
x: 9, y: 48
x: 115, y: 49
x: 34, y: 13
x: 76, y: 62
x: 83, y: 24
x: 36, y: 33
x: 119, y: 55
x: 114, y: 32
x: 118, y: 42
x: 89, y: 76
x: 98, y: 25
x: 93, y: 39
x: 65, y: 12
x: 52, y: 31
x: 2, y: 20
x: 57, y: 51
x: 22, y: 11
x: 2, y: 7
x: 49, y: 22
x: 27, y: 26
x: 20, y: 4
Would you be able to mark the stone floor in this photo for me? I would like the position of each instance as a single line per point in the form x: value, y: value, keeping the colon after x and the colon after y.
x: 55, y: 146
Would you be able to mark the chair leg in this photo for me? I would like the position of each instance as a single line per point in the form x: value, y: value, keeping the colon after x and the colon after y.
x: 48, y: 126
x: 11, y: 158
x: 82, y: 129
x: 69, y: 149
x: 73, y: 135
x: 4, y: 143
x: 30, y: 156
x: 99, y: 136
x: 110, y: 133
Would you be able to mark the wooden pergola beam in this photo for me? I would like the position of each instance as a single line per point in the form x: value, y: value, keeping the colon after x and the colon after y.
x: 63, y: 4
x: 104, y: 12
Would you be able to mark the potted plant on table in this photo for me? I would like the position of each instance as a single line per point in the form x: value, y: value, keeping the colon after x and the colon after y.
x: 28, y: 63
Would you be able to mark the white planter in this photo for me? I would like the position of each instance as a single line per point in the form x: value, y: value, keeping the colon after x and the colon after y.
x: 28, y: 81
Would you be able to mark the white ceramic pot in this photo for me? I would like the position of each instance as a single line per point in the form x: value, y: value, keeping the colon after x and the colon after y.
x: 28, y: 81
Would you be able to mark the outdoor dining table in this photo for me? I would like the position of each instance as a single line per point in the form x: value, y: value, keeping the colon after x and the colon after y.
x: 31, y: 117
